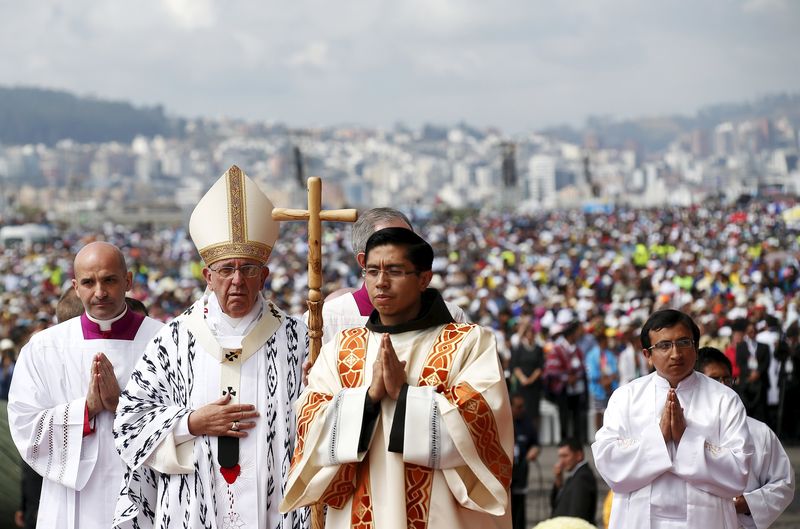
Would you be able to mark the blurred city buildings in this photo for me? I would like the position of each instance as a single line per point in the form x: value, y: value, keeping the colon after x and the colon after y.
x: 159, y: 179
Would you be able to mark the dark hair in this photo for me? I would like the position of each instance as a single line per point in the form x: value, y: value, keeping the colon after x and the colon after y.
x: 793, y: 331
x: 365, y: 225
x: 666, y: 319
x: 711, y: 355
x: 739, y: 324
x: 136, y: 306
x: 572, y: 443
x: 418, y: 251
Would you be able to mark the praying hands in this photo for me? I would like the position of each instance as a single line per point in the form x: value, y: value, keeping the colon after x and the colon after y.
x: 673, y: 423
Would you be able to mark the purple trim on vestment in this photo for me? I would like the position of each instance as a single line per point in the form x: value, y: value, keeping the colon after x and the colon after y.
x: 362, y: 301
x: 124, y: 328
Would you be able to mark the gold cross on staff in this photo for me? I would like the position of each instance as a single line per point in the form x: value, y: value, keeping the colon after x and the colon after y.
x: 315, y: 215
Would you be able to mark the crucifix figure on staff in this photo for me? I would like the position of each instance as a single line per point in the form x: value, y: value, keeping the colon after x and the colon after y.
x: 315, y: 215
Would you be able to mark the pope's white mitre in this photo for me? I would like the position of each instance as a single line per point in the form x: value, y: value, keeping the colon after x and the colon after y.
x: 233, y: 220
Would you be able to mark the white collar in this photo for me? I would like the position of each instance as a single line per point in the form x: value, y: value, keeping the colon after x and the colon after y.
x: 105, y: 325
x: 230, y: 331
x: 687, y: 382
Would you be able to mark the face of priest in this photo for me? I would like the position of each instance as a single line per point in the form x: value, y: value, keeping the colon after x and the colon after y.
x: 395, y: 288
x: 676, y: 363
x: 236, y: 293
x: 101, y: 280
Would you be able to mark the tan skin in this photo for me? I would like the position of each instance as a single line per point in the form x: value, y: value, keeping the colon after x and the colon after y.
x: 673, y: 365
x: 720, y: 373
x: 237, y: 296
x: 101, y: 280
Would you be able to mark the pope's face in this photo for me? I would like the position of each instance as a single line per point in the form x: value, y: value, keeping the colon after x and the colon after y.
x: 236, y: 293
x: 676, y: 363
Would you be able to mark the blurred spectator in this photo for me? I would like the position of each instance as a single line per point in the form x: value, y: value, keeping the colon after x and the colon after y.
x: 526, y: 449
x: 574, y: 490
x: 601, y: 368
x: 753, y: 359
x: 789, y: 429
x: 8, y: 358
x: 565, y: 376
x: 527, y: 363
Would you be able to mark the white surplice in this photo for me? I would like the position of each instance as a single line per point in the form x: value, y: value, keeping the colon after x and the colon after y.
x: 454, y: 469
x: 692, y: 484
x: 338, y: 314
x: 47, y: 403
x: 770, y: 486
x: 174, y: 478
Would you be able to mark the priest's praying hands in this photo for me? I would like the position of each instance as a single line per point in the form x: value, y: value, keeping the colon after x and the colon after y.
x: 673, y: 422
x: 388, y: 372
x: 220, y: 418
x: 103, y: 387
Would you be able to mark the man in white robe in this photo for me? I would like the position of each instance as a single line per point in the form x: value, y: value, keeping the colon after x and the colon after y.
x: 65, y: 391
x: 674, y: 446
x: 770, y: 484
x: 351, y: 308
x: 206, y: 423
x: 405, y: 423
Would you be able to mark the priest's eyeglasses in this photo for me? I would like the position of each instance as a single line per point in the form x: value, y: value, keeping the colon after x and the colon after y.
x: 392, y: 273
x: 666, y: 345
x: 248, y: 270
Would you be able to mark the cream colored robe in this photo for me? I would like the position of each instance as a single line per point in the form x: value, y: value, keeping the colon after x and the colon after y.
x: 455, y: 468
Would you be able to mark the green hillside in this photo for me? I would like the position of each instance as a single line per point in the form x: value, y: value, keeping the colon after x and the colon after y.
x: 35, y: 115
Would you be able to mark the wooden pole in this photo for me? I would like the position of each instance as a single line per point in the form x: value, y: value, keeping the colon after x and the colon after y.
x: 315, y: 215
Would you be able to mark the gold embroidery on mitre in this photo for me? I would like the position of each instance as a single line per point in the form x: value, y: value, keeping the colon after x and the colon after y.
x: 237, y: 216
x: 231, y: 250
x: 238, y: 245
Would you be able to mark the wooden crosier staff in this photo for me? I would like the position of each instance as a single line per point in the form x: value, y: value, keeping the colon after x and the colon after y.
x: 315, y: 215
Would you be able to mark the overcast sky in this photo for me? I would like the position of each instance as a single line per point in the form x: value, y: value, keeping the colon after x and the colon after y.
x: 518, y: 65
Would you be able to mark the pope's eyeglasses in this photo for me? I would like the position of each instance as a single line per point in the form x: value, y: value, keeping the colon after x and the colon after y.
x: 248, y: 270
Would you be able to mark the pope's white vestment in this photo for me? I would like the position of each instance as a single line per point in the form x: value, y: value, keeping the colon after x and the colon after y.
x: 770, y: 485
x: 657, y: 484
x: 174, y: 478
x: 47, y: 408
x: 453, y: 465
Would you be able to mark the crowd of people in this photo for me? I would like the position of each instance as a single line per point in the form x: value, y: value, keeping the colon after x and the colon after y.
x: 524, y: 276
x: 565, y: 294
